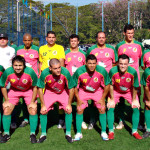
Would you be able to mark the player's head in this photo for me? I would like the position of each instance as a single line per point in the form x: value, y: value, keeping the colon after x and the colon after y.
x: 74, y: 41
x: 101, y: 38
x: 18, y: 63
x: 27, y: 40
x: 128, y: 32
x: 123, y: 62
x: 51, y: 38
x: 11, y: 42
x: 3, y: 40
x: 91, y: 63
x: 55, y: 67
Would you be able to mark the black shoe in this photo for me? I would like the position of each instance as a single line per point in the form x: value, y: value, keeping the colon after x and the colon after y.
x: 146, y: 134
x: 5, y: 138
x: 24, y: 123
x: 1, y: 136
x: 69, y: 138
x: 13, y: 125
x: 42, y: 139
x: 33, y: 138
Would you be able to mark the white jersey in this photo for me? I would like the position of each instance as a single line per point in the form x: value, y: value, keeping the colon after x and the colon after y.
x: 6, y: 55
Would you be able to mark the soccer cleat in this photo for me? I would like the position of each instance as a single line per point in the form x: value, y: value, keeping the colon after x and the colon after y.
x: 1, y: 135
x: 146, y: 134
x: 24, y: 123
x: 137, y: 136
x: 13, y: 125
x: 111, y: 135
x: 91, y: 125
x: 5, y: 138
x: 84, y: 126
x: 33, y: 138
x: 120, y: 125
x: 69, y: 138
x: 61, y: 124
x: 104, y: 136
x: 78, y: 136
x: 42, y: 139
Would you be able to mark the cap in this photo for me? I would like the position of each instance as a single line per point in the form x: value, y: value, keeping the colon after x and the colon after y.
x: 3, y: 35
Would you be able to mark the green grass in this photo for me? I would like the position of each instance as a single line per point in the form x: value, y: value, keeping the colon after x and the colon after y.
x: 91, y: 138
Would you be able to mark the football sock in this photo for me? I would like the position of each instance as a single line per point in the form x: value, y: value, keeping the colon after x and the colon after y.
x: 135, y: 119
x: 110, y: 119
x: 102, y: 119
x: 147, y: 119
x: 33, y: 123
x: 43, y: 121
x: 6, y: 123
x: 79, y: 120
x: 68, y: 122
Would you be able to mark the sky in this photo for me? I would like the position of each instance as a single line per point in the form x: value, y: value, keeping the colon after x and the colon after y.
x: 72, y: 2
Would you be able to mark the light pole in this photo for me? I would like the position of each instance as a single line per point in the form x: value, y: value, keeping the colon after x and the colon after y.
x: 128, y: 11
x: 77, y: 19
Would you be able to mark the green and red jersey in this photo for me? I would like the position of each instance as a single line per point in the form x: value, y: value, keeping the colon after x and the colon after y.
x: 1, y: 70
x: 124, y: 83
x: 145, y: 81
x: 74, y: 60
x: 24, y: 82
x: 105, y: 56
x: 31, y: 56
x: 55, y: 83
x: 91, y: 82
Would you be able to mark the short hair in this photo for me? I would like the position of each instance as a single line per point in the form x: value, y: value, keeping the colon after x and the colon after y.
x: 51, y: 32
x: 91, y: 57
x: 74, y: 36
x: 99, y: 32
x: 20, y: 59
x: 11, y: 42
x: 27, y: 34
x: 53, y: 61
x: 128, y: 27
x: 123, y: 56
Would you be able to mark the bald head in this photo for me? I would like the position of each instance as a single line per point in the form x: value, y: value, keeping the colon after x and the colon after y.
x: 27, y: 40
x: 53, y: 62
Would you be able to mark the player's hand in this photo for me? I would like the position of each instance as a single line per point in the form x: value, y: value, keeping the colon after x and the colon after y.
x: 111, y: 104
x: 6, y: 104
x: 68, y: 109
x: 33, y: 106
x: 43, y: 110
x: 135, y: 104
x: 147, y: 103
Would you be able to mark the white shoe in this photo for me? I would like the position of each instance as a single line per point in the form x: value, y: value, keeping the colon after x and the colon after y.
x: 60, y: 124
x: 84, y: 126
x: 104, y: 136
x: 78, y: 136
x: 120, y: 125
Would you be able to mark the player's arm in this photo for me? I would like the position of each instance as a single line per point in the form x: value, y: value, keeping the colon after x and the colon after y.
x: 135, y: 102
x: 62, y: 62
x: 146, y: 89
x: 5, y: 94
x: 40, y: 65
x: 34, y: 94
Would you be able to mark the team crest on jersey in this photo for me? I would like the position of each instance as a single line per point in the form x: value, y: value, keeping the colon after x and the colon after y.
x: 31, y: 56
x: 60, y: 81
x: 149, y: 58
x: 134, y: 49
x: 69, y: 59
x: 12, y: 80
x: 106, y: 54
x: 96, y: 54
x: 128, y: 79
x: 22, y: 55
x: 95, y: 79
x: 117, y: 80
x: 24, y: 81
x: 49, y: 81
x: 84, y: 80
x: 124, y: 50
x: 79, y: 59
x: 54, y: 52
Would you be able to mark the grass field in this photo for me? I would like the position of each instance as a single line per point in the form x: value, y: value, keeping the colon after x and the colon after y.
x: 91, y: 138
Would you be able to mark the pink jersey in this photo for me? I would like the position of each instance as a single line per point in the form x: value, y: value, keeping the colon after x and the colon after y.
x: 31, y: 56
x: 22, y: 83
x: 74, y: 60
x: 91, y: 82
x: 133, y: 51
x: 145, y: 60
x: 105, y: 57
x: 124, y: 83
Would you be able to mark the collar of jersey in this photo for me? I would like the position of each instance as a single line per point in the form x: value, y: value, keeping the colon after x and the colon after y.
x: 101, y: 48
